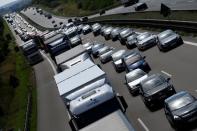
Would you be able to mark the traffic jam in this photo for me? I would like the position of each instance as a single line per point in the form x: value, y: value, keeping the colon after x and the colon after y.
x: 89, y: 97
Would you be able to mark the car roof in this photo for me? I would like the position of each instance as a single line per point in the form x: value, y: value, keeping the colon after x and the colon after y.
x: 153, y: 76
x: 176, y: 96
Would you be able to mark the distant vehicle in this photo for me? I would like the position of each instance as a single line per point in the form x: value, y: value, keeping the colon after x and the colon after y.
x: 102, y: 29
x: 146, y: 40
x: 128, y: 2
x: 80, y: 27
x: 70, y: 20
x: 107, y: 32
x: 53, y: 21
x: 106, y: 57
x: 96, y: 28
x: 88, y: 46
x: 96, y: 47
x: 133, y: 80
x: 168, y: 39
x: 117, y: 60
x: 114, y: 33
x: 133, y: 60
x: 131, y: 41
x: 155, y: 89
x: 140, y: 6
x: 86, y: 29
x: 181, y: 109
x: 55, y: 25
x: 76, y: 40
x: 85, y: 19
x: 102, y: 12
x: 124, y: 33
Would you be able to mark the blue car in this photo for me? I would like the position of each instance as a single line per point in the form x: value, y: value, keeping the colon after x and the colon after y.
x: 133, y: 60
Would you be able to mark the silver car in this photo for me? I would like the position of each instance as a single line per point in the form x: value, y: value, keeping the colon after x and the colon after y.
x: 131, y: 41
x: 124, y: 34
x: 117, y: 60
x: 107, y: 56
x: 88, y: 46
x: 133, y: 80
x: 107, y: 32
x: 96, y: 47
x: 168, y: 39
x: 96, y: 28
x: 75, y: 41
x: 86, y: 29
x: 146, y: 40
x: 114, y: 33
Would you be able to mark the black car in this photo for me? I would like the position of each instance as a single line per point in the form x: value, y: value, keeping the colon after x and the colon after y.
x: 141, y: 6
x: 155, y: 89
x: 181, y: 109
x: 133, y: 60
x: 102, y: 12
x: 70, y: 20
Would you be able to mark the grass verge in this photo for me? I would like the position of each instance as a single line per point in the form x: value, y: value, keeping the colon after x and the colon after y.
x: 14, y: 100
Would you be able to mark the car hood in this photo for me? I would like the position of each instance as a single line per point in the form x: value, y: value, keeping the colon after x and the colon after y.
x: 118, y: 62
x: 168, y: 39
x: 185, y: 110
x: 107, y: 54
x: 137, y: 81
x: 156, y: 89
x: 146, y: 40
x: 136, y: 64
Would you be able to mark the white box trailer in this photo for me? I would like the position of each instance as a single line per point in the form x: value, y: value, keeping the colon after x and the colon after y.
x: 69, y: 55
x: 99, y: 109
x: 79, y: 80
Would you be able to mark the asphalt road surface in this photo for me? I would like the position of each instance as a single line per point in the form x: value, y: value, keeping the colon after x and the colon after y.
x: 179, y: 64
x: 153, y: 5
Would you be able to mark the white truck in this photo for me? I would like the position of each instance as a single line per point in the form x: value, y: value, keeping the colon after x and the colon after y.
x: 71, y: 57
x: 99, y: 109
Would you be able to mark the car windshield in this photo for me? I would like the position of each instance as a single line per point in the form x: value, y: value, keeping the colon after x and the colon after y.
x: 165, y: 34
x: 134, y: 76
x: 143, y: 36
x: 132, y: 59
x: 152, y: 83
x: 130, y: 38
x: 181, y: 102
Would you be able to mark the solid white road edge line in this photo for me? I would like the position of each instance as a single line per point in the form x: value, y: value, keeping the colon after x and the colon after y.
x: 190, y: 43
x: 166, y: 73
x: 53, y: 67
x: 143, y: 125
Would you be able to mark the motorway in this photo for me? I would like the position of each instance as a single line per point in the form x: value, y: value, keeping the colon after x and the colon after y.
x: 153, y: 5
x: 179, y: 64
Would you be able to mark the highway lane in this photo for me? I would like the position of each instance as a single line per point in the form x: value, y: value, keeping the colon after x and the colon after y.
x: 179, y: 63
x: 51, y: 111
x: 153, y: 5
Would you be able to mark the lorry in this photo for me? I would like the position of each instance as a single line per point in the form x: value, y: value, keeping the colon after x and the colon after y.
x: 128, y: 2
x: 31, y: 52
x: 79, y: 53
x: 99, y: 109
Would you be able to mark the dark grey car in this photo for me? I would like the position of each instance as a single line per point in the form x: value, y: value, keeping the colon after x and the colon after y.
x: 96, y: 47
x: 126, y: 32
x: 114, y: 33
x: 146, y: 40
x: 131, y: 41
x: 155, y: 89
x: 168, y: 39
x: 181, y: 109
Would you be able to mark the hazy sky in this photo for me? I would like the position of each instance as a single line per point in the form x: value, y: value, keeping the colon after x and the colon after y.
x: 4, y: 2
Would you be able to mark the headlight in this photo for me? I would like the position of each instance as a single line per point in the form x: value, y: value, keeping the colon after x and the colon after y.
x: 176, y: 117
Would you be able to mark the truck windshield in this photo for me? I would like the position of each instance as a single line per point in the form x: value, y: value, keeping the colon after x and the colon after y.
x: 97, y: 113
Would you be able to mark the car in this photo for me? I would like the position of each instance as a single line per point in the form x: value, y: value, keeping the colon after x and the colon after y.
x: 117, y: 60
x: 85, y: 19
x: 114, y: 33
x: 96, y: 28
x: 104, y: 50
x: 107, y: 32
x: 86, y: 29
x: 124, y: 33
x: 133, y: 80
x: 76, y: 40
x: 168, y: 39
x: 102, y: 29
x: 96, y: 47
x: 181, y: 109
x: 146, y: 40
x: 61, y: 23
x: 102, y: 12
x: 131, y: 41
x: 70, y: 20
x: 80, y: 27
x: 133, y: 60
x: 88, y: 46
x: 140, y: 6
x: 107, y: 56
x: 155, y: 89
x: 53, y: 21
x: 55, y: 25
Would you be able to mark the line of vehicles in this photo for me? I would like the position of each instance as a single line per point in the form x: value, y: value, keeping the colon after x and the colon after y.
x: 89, y: 98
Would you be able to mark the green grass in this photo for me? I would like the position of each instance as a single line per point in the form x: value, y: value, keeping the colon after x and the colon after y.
x: 14, y: 100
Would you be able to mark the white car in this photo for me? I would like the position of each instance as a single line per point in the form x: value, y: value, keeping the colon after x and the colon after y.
x: 133, y: 80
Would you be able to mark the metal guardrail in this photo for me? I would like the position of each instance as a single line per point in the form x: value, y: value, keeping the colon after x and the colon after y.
x: 187, y: 26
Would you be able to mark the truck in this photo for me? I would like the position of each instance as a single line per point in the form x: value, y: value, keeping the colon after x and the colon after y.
x: 128, y: 2
x: 100, y: 109
x: 31, y: 52
x: 78, y: 80
x: 76, y: 54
